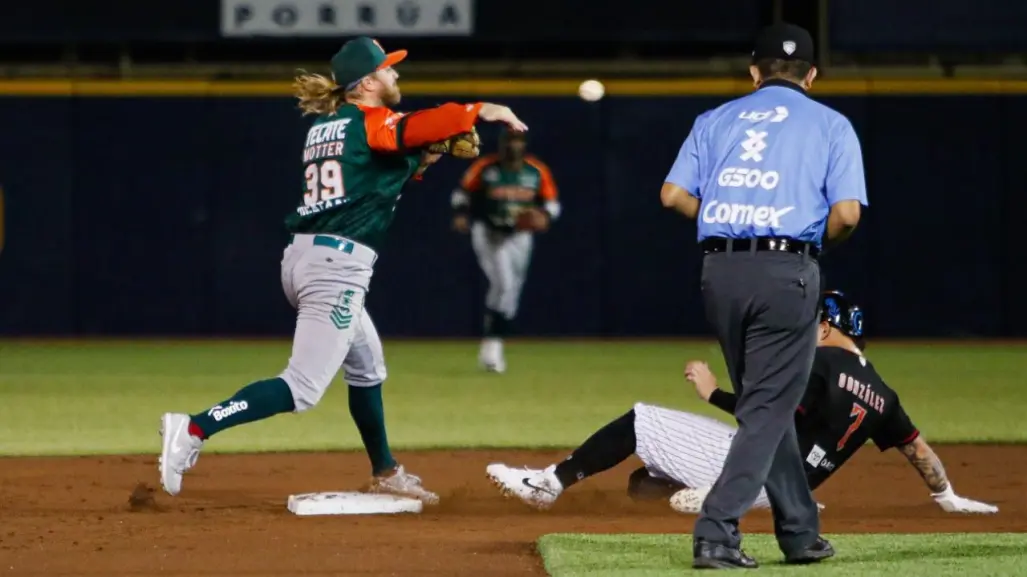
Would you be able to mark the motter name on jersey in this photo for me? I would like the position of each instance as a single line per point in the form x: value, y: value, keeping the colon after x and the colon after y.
x: 325, y: 140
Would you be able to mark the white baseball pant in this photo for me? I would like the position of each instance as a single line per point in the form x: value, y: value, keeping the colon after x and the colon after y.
x: 504, y: 258
x: 683, y: 447
x: 327, y: 288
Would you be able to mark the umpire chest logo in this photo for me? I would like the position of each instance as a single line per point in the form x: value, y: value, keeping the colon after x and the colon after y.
x: 491, y: 175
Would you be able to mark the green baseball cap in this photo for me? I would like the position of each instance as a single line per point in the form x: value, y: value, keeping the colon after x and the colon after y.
x: 359, y: 57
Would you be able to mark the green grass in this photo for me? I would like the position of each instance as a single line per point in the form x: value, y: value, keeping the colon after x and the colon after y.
x: 94, y: 397
x: 930, y: 555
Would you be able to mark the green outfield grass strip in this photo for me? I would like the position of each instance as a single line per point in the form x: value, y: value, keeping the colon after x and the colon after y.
x: 107, y: 397
x: 920, y: 555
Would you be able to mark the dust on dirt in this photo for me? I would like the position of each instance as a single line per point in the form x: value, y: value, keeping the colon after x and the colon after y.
x: 68, y: 516
x: 141, y: 499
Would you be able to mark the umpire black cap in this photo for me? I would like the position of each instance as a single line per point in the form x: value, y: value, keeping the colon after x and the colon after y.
x: 783, y: 41
x: 841, y: 313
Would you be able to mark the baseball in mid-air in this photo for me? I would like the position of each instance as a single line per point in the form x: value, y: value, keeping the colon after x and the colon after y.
x: 591, y: 90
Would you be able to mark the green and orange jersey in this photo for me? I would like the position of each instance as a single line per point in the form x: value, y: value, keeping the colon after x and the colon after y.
x: 495, y: 194
x: 357, y: 161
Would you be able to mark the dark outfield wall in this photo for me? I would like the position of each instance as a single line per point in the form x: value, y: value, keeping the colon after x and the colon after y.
x: 163, y: 216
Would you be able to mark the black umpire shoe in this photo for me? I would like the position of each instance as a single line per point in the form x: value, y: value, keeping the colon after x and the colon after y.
x: 716, y: 556
x: 815, y: 553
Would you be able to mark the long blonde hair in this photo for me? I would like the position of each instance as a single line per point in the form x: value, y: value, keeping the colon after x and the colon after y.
x: 317, y: 94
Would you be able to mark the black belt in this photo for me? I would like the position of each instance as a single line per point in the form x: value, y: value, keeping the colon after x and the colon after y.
x: 763, y: 243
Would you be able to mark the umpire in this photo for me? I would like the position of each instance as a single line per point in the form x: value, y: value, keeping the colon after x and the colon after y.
x: 770, y: 177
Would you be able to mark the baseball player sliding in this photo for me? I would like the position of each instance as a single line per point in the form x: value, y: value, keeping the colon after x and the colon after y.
x: 845, y: 404
x: 502, y: 200
x: 358, y: 158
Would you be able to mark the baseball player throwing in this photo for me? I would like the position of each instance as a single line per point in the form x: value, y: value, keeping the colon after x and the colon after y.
x: 845, y: 404
x: 502, y: 200
x: 357, y: 160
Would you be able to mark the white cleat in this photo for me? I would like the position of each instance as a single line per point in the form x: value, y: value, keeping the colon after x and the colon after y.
x: 689, y: 500
x: 495, y: 367
x: 490, y: 357
x: 403, y: 484
x: 179, y: 451
x: 538, y: 488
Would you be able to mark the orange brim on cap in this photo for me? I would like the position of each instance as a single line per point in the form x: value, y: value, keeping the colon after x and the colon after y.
x: 393, y: 58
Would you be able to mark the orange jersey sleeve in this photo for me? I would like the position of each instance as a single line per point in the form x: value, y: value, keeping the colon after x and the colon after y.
x: 547, y: 186
x: 381, y: 125
x: 471, y: 181
x: 389, y: 131
x: 439, y: 123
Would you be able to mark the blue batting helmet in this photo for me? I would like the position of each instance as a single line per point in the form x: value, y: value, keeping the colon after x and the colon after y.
x: 841, y: 313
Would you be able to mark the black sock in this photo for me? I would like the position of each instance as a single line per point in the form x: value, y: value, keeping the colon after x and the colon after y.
x: 487, y: 323
x: 500, y: 325
x: 496, y: 325
x: 605, y: 449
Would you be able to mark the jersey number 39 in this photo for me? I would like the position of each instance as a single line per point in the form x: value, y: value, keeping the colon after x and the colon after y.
x: 324, y: 182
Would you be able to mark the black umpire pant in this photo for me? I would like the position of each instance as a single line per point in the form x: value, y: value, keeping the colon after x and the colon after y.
x: 763, y: 306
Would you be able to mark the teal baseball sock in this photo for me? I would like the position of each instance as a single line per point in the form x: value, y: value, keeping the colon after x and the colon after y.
x: 368, y: 412
x: 253, y: 402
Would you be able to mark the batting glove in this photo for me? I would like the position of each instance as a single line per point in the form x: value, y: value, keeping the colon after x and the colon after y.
x: 950, y: 502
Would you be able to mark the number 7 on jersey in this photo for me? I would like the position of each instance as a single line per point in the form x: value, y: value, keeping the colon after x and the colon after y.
x: 859, y: 413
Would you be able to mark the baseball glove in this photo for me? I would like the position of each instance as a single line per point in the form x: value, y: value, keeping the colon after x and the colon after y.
x: 463, y: 145
x: 532, y: 219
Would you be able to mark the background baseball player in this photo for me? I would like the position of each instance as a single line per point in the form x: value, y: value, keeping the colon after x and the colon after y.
x: 845, y: 404
x: 357, y: 159
x: 503, y: 199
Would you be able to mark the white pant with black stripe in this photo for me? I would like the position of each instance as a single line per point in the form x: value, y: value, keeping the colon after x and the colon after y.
x: 504, y: 258
x: 683, y: 447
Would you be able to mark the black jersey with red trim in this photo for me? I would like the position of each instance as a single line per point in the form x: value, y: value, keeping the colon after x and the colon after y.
x: 846, y: 403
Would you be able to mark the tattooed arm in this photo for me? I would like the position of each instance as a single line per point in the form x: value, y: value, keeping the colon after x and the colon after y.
x: 921, y: 456
x: 898, y: 431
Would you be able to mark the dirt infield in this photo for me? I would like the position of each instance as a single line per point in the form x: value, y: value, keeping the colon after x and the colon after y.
x: 82, y: 516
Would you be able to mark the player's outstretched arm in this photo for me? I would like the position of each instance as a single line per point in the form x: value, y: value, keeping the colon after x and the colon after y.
x: 434, y: 124
x: 388, y: 131
x: 927, y: 463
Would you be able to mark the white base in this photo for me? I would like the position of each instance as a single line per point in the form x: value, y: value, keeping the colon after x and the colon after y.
x: 351, y: 503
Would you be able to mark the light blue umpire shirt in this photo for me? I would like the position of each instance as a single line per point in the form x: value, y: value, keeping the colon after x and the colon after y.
x: 770, y: 163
